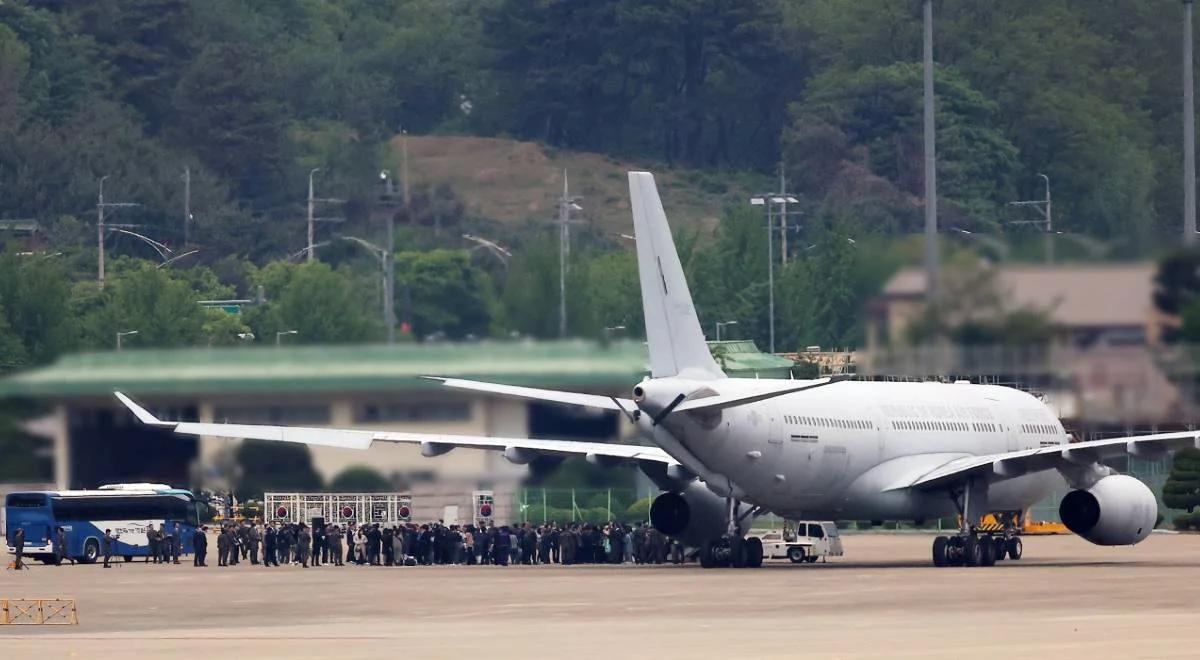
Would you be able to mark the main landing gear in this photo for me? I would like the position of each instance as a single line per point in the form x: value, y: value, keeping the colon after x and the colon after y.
x: 733, y: 550
x: 974, y: 549
x: 973, y: 546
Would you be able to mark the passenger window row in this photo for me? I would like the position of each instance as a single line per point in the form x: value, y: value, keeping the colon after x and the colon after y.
x: 938, y: 425
x: 830, y: 422
x: 1046, y: 429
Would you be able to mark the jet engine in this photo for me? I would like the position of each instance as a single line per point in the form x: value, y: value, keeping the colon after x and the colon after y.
x: 1118, y: 510
x: 693, y: 516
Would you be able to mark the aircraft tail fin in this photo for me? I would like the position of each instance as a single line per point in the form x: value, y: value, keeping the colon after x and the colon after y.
x: 676, y: 342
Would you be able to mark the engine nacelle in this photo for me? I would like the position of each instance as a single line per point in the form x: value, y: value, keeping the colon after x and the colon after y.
x: 694, y: 516
x: 1118, y: 510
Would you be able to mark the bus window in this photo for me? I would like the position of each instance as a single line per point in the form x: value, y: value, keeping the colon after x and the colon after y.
x: 25, y: 500
x: 814, y: 531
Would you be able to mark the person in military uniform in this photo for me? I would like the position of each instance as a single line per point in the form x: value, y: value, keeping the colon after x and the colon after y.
x: 270, y: 551
x: 334, y: 540
x: 318, y: 544
x: 176, y: 543
x: 60, y: 546
x: 255, y: 540
x: 223, y: 547
x: 200, y: 546
x: 18, y: 541
x: 106, y: 546
x: 152, y: 543
x: 164, y: 547
x: 303, y: 545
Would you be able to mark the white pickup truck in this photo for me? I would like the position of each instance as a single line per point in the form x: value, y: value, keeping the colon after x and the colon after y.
x: 802, y: 541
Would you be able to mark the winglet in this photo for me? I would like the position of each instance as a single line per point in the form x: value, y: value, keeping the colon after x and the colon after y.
x: 144, y: 416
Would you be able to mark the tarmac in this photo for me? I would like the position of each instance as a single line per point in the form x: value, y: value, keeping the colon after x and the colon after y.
x: 1065, y: 599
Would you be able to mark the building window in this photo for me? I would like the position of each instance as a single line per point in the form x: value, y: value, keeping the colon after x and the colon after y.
x: 426, y: 411
x: 293, y: 414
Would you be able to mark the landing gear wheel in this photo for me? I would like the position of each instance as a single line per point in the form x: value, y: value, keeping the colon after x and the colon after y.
x: 91, y: 550
x: 706, y: 556
x: 754, y: 552
x: 1001, y: 545
x: 737, y: 552
x: 972, y: 552
x: 796, y: 555
x: 987, y: 551
x: 940, y: 557
x: 1014, y: 547
x: 955, y: 549
x: 128, y: 558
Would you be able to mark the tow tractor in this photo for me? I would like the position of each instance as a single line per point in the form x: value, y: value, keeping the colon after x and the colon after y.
x: 802, y: 541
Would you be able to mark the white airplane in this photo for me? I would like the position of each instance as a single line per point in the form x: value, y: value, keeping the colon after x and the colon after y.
x: 725, y: 450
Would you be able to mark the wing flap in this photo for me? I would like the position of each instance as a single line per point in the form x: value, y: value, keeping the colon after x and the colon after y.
x: 1016, y: 463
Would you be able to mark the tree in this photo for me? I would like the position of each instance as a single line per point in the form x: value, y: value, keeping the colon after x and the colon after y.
x: 321, y: 304
x: 360, y: 479
x: 446, y: 293
x: 142, y: 297
x: 274, y: 466
x: 35, y: 303
x: 1182, y: 488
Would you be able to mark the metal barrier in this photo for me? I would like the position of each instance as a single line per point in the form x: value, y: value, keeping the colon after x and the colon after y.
x: 38, y: 612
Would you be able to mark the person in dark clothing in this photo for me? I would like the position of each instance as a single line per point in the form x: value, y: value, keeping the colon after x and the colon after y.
x: 18, y: 542
x: 60, y: 546
x: 555, y: 535
x: 303, y: 545
x: 152, y: 542
x: 528, y: 543
x: 270, y: 552
x: 200, y: 546
x: 176, y: 542
x: 350, y: 542
x: 388, y: 557
x: 501, y: 547
x: 374, y: 544
x: 106, y: 546
x: 318, y: 544
x: 223, y: 548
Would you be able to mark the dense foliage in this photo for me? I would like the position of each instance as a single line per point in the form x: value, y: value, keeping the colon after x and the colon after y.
x: 249, y: 98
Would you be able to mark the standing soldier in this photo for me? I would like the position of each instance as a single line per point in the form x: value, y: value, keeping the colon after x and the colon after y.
x: 176, y: 542
x: 223, y: 547
x: 106, y: 546
x: 335, y: 545
x: 60, y: 546
x: 303, y: 545
x: 318, y: 543
x: 255, y: 541
x: 270, y: 552
x: 152, y: 542
x: 18, y: 541
x: 200, y: 546
x: 165, y: 543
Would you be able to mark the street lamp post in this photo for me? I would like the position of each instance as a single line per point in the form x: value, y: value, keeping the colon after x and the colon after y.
x: 722, y: 324
x: 284, y: 332
x: 124, y: 334
x: 1189, y: 131
x: 769, y: 200
x: 311, y: 200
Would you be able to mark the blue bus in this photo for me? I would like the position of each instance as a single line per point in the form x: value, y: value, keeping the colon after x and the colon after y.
x: 129, y: 510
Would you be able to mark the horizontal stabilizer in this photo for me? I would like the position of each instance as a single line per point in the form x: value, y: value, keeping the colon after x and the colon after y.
x: 730, y: 400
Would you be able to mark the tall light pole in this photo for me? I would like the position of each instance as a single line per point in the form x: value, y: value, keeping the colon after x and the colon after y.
x: 124, y: 334
x: 187, y: 205
x: 386, y: 264
x: 931, y: 232
x: 284, y: 332
x: 769, y: 200
x: 1189, y: 131
x: 566, y: 204
x: 311, y: 201
x: 722, y: 324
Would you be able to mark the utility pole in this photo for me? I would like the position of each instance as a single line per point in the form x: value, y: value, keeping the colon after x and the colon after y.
x: 783, y: 214
x: 311, y: 200
x: 187, y: 205
x: 1189, y: 131
x: 565, y: 205
x: 1047, y: 221
x: 770, y: 278
x: 101, y: 205
x: 931, y: 232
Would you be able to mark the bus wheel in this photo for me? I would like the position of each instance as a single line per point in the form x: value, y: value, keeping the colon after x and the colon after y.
x: 128, y: 558
x: 91, y: 550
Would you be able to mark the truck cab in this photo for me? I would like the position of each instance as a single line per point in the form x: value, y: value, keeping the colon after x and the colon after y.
x: 802, y: 541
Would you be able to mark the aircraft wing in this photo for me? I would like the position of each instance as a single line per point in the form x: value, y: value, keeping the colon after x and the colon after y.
x: 1016, y: 463
x: 534, y: 394
x: 518, y: 450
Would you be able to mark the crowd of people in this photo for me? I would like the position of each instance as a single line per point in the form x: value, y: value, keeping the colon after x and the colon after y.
x: 375, y: 544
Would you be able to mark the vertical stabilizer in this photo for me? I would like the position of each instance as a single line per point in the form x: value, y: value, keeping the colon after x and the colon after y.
x: 677, y: 346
